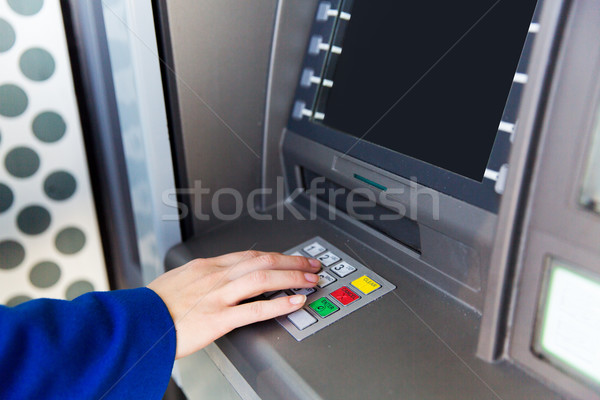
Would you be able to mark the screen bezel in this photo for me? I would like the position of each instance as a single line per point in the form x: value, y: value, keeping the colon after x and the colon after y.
x: 480, y: 194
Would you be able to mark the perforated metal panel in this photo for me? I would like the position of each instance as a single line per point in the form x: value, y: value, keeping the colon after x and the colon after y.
x: 49, y: 239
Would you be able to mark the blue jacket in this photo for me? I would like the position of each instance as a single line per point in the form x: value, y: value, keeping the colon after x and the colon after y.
x: 102, y: 345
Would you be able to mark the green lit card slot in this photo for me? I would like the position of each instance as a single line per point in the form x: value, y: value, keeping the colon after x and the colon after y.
x: 370, y: 182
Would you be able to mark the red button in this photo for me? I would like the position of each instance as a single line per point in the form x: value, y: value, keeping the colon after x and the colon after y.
x: 345, y: 295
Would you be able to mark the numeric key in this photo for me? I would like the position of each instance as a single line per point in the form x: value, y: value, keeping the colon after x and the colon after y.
x: 314, y: 249
x: 328, y: 259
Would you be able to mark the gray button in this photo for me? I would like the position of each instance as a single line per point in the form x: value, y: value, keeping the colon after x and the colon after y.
x: 325, y: 279
x: 304, y: 291
x: 302, y: 319
x: 328, y: 259
x: 343, y: 269
x: 314, y: 249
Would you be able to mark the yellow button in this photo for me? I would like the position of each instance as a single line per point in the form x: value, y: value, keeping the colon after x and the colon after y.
x: 365, y: 284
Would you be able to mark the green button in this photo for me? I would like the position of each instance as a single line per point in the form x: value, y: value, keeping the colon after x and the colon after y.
x: 323, y: 307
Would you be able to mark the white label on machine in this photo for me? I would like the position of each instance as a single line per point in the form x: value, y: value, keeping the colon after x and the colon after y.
x: 571, y: 321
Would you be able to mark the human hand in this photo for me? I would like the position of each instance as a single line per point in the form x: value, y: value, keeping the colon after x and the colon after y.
x: 203, y: 295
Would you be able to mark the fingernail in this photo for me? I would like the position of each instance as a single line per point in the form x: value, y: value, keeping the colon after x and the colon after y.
x: 315, y: 263
x: 312, y: 278
x: 298, y: 299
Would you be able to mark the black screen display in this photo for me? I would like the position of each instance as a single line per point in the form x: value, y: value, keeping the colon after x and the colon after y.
x: 429, y: 79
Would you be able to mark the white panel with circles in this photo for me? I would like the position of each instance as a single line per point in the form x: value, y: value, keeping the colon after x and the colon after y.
x: 59, y: 187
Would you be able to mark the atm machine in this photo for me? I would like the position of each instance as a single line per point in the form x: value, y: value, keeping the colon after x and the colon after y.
x: 440, y: 159
x: 477, y: 127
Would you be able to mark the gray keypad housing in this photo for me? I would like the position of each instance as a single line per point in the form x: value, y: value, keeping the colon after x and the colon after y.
x: 343, y: 311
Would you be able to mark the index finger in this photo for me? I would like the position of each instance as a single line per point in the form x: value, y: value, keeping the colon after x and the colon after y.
x: 276, y: 262
x: 255, y: 311
x: 258, y: 282
x: 231, y: 259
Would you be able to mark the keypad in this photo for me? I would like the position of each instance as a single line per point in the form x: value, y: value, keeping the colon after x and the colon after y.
x: 344, y: 286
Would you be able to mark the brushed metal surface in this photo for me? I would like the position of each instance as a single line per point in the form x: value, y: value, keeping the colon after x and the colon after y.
x: 221, y: 51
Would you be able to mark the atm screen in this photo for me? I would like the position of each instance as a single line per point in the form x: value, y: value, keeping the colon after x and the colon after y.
x: 429, y: 79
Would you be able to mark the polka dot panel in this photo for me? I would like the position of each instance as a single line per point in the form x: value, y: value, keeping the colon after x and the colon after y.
x: 26, y: 7
x: 49, y: 126
x: 13, y: 254
x: 16, y: 300
x: 45, y: 274
x: 13, y: 100
x: 6, y: 197
x: 7, y: 36
x: 70, y: 240
x: 37, y: 64
x: 22, y: 162
x: 78, y: 288
x: 49, y: 241
x: 60, y: 185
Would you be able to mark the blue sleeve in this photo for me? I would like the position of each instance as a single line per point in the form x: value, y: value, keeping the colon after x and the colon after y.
x: 102, y: 345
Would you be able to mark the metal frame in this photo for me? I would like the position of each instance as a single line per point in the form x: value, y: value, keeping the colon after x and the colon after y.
x: 289, y: 44
x: 220, y: 66
x: 139, y: 92
x: 556, y: 225
x: 174, y: 123
x: 88, y: 48
x: 501, y: 273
